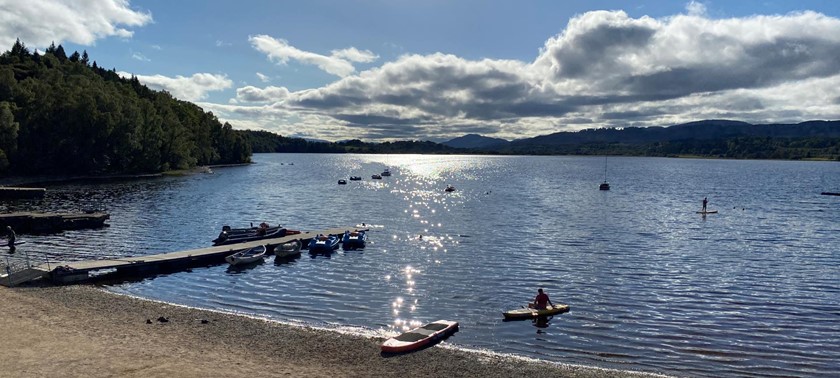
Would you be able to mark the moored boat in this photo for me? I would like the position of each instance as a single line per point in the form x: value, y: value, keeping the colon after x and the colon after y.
x: 449, y: 188
x: 288, y: 249
x: 355, y: 178
x: 420, y: 337
x: 376, y: 177
x: 226, y: 237
x: 323, y: 243
x: 528, y: 313
x: 342, y: 182
x: 354, y: 239
x: 247, y: 256
x: 386, y: 172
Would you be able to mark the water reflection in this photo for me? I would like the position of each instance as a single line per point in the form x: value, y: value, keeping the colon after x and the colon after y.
x: 652, y: 287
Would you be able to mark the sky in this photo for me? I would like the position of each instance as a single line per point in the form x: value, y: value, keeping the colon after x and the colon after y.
x: 380, y: 70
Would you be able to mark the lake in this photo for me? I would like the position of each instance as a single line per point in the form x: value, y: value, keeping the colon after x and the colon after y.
x: 653, y: 286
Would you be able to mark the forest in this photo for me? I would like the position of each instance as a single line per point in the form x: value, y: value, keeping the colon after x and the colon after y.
x: 63, y: 114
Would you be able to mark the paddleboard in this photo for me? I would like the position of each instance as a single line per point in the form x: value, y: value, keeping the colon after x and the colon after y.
x: 528, y: 313
x: 420, y: 336
x: 707, y: 212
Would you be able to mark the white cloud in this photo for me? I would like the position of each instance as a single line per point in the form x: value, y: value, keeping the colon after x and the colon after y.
x: 695, y: 8
x: 190, y: 88
x: 140, y: 57
x: 263, y: 78
x: 280, y: 51
x: 267, y: 94
x: 39, y: 23
x: 605, y: 69
x: 355, y: 55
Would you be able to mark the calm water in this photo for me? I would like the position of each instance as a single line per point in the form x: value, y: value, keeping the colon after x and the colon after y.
x: 653, y: 286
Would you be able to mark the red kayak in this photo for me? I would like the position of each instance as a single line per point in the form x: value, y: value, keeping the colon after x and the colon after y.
x: 420, y: 337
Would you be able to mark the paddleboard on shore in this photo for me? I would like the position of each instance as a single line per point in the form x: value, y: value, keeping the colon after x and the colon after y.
x: 528, y: 313
x: 420, y: 337
x: 707, y: 212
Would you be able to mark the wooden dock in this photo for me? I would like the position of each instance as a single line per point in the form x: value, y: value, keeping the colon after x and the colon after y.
x: 25, y: 222
x: 21, y: 193
x: 138, y: 266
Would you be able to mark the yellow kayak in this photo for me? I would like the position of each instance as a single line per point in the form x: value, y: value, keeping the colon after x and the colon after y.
x: 528, y: 313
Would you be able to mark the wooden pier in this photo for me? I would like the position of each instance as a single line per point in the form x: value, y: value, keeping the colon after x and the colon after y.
x: 138, y: 266
x: 21, y: 193
x: 25, y: 222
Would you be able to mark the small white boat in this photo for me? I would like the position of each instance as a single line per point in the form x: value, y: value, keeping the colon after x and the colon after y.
x: 246, y: 256
x: 288, y: 249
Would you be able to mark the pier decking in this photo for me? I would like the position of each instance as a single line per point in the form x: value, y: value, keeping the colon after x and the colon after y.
x: 21, y: 193
x: 25, y: 222
x: 81, y: 271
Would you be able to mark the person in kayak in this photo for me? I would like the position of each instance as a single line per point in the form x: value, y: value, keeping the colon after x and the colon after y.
x: 541, y: 301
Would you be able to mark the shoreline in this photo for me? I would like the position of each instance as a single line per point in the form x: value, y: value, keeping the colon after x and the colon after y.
x: 83, y: 330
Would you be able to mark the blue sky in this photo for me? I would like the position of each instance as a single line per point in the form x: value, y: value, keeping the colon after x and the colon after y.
x: 433, y: 70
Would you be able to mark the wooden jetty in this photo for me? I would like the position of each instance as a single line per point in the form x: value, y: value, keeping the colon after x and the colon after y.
x: 25, y: 222
x: 21, y: 193
x: 138, y: 266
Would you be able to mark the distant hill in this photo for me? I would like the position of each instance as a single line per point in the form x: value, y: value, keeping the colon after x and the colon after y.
x: 700, y: 130
x: 709, y: 138
x: 474, y: 141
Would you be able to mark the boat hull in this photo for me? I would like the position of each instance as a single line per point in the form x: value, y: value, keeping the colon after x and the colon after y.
x: 529, y: 313
x: 247, y: 256
x: 354, y: 240
x: 323, y: 244
x: 420, y: 337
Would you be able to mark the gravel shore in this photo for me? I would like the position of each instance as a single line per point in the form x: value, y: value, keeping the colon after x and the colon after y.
x: 83, y: 331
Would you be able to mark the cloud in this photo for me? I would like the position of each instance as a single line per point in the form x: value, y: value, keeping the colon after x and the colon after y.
x: 605, y: 69
x: 39, y: 23
x: 140, y: 57
x: 263, y: 78
x: 338, y: 64
x: 354, y: 55
x: 191, y: 88
x: 267, y: 94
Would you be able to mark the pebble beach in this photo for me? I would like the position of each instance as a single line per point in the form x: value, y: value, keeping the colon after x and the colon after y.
x: 85, y: 331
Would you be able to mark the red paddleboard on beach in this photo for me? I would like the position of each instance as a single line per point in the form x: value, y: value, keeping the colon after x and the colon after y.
x: 420, y: 337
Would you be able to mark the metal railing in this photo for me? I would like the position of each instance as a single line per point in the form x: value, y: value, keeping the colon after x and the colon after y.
x: 12, y: 263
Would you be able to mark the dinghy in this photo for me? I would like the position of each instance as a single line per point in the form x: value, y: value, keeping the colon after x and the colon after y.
x: 247, y: 256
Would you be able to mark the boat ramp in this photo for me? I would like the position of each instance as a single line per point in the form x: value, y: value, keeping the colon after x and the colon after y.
x: 139, y: 266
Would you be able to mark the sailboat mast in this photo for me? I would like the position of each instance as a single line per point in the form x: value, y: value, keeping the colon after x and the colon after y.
x: 605, y: 168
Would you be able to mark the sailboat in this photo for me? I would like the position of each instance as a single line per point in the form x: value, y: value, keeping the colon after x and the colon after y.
x: 605, y: 185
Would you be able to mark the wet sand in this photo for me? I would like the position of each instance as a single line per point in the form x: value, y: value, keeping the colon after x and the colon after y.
x: 83, y: 331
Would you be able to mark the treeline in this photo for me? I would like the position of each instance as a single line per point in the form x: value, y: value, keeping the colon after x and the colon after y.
x: 264, y: 141
x: 816, y: 148
x: 710, y: 138
x: 64, y: 114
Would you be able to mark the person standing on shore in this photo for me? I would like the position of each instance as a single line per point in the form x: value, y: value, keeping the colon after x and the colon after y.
x: 10, y: 234
x: 705, y: 202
